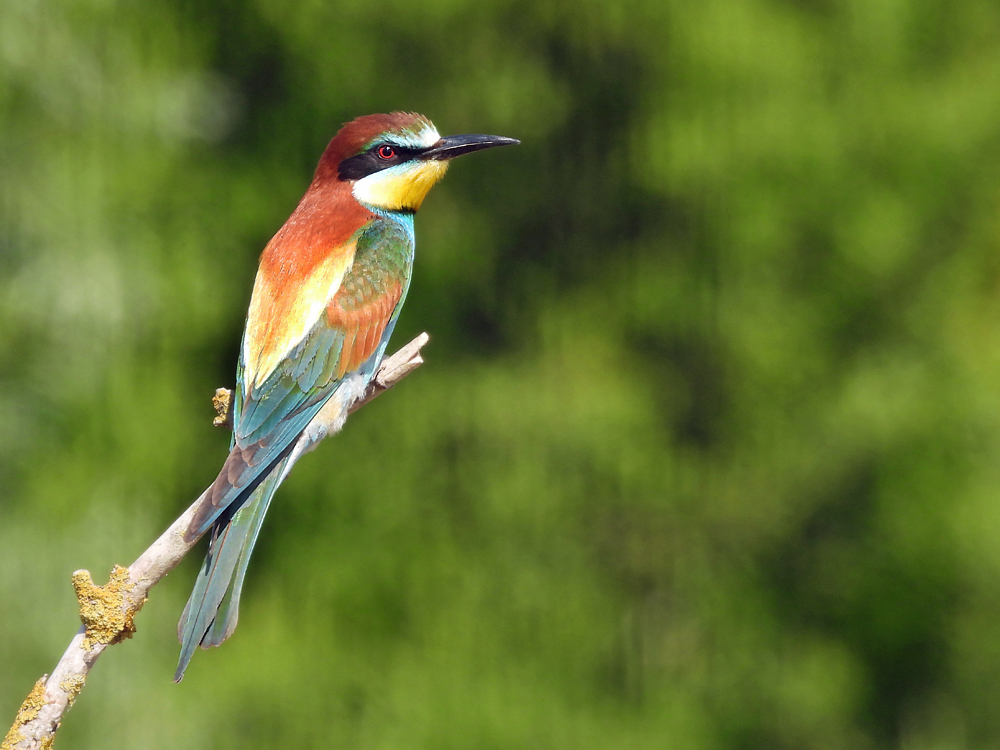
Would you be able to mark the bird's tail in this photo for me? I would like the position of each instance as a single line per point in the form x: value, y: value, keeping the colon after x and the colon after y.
x: 213, y: 609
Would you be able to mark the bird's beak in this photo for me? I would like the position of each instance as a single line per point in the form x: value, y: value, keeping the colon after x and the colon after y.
x: 456, y: 145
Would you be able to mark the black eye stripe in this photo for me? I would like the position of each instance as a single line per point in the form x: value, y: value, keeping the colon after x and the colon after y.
x: 369, y: 162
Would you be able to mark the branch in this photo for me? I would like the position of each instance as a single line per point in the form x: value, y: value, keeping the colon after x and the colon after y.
x: 108, y: 611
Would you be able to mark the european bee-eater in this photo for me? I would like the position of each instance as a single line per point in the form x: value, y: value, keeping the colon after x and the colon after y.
x: 328, y: 290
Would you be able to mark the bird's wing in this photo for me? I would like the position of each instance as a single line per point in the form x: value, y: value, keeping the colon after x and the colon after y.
x: 350, y: 302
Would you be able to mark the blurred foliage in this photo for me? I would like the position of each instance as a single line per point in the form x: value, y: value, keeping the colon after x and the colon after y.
x: 707, y: 450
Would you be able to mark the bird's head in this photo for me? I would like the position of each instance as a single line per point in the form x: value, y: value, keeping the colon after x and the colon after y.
x: 392, y: 161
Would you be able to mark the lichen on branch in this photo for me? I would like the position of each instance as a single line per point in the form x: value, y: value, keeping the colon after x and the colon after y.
x: 27, y: 713
x: 103, y: 609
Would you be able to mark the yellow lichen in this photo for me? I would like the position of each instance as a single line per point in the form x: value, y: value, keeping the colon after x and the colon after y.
x: 103, y: 608
x: 222, y: 401
x: 72, y: 687
x: 28, y: 712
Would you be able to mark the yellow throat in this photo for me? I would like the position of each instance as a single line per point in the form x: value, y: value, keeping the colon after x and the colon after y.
x: 400, y: 188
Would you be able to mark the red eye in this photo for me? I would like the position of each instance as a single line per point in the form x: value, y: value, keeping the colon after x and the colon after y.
x: 386, y: 152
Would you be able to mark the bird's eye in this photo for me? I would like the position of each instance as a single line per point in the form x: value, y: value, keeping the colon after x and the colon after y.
x: 386, y: 152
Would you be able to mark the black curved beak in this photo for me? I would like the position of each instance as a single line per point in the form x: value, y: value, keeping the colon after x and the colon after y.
x: 456, y: 145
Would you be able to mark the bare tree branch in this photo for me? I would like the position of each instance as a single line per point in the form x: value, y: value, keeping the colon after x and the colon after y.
x: 108, y: 611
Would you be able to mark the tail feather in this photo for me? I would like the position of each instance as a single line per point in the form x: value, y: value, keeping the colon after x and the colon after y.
x: 212, y: 611
x: 232, y: 486
x: 228, y: 613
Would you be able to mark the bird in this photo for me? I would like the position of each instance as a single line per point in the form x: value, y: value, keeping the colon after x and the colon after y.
x: 328, y: 291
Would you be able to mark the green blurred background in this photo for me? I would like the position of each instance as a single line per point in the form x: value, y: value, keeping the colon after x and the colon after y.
x: 706, y: 453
